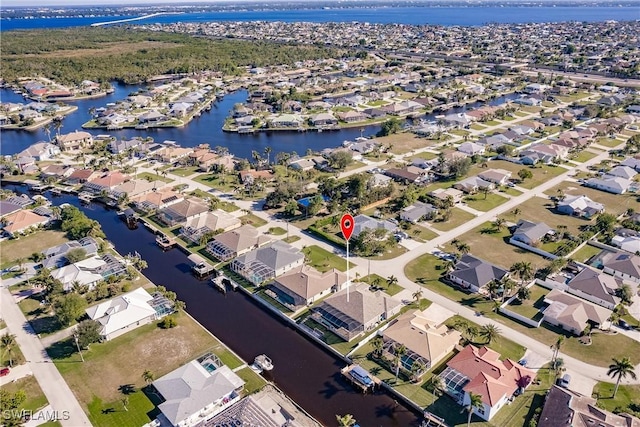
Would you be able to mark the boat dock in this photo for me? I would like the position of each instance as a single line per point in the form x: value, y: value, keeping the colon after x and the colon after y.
x: 346, y: 372
x: 164, y: 242
x: 201, y: 268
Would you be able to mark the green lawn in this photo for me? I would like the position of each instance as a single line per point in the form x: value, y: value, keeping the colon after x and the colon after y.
x: 583, y: 156
x: 608, y: 142
x: 504, y: 346
x: 224, y: 205
x: 277, y: 231
x: 153, y: 177
x: 585, y: 252
x: 323, y: 260
x: 24, y: 247
x: 614, y: 203
x: 252, y: 219
x: 458, y: 217
x: 140, y: 410
x: 626, y: 398
x: 225, y: 183
x: 530, y: 307
x: 291, y: 239
x: 253, y: 381
x: 184, y: 172
x: 35, y: 397
x: 484, y: 203
x: 420, y: 233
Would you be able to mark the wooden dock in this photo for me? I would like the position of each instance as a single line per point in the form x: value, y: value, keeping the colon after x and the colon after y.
x: 164, y: 242
x: 346, y: 372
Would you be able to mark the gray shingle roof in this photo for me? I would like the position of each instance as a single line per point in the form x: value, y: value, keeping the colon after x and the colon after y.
x: 476, y: 271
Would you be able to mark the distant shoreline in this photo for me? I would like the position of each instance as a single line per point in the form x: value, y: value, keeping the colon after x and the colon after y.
x: 138, y: 18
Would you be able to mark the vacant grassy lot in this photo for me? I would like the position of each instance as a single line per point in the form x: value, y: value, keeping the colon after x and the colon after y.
x: 153, y: 177
x: 458, y: 217
x: 183, y: 172
x: 540, y: 174
x: 539, y: 209
x: 97, y: 382
x: 483, y: 202
x: 627, y: 395
x: 24, y: 247
x: 585, y: 252
x: 35, y: 397
x: 420, y: 233
x: 401, y: 143
x: 613, y: 203
x: 323, y: 260
x: 583, y: 156
x: 252, y: 219
x: 609, y: 142
x: 224, y: 182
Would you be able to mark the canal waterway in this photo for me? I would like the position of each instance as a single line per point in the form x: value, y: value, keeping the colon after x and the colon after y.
x: 204, y: 129
x: 303, y: 370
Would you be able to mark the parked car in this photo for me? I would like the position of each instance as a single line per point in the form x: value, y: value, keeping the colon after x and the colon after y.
x: 4, y: 372
x: 624, y: 325
x: 564, y: 381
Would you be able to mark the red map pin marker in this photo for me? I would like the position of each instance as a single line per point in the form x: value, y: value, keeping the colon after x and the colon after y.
x: 346, y: 225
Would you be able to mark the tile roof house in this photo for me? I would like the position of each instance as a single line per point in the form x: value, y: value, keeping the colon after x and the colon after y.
x: 136, y: 187
x: 74, y: 140
x: 624, y: 266
x: 157, y: 199
x: 474, y: 273
x: 21, y: 221
x: 596, y: 287
x: 581, y: 206
x: 193, y: 394
x: 425, y: 341
x: 304, y: 285
x: 364, y: 222
x: 572, y: 313
x: 80, y: 176
x: 214, y: 221
x: 480, y: 371
x: 122, y: 314
x: 40, y: 151
x: 409, y: 174
x: 231, y: 244
x: 183, y: 211
x: 267, y: 262
x: 418, y: 211
x: 106, y: 182
x: 566, y: 408
x: 530, y: 232
x: 363, y: 311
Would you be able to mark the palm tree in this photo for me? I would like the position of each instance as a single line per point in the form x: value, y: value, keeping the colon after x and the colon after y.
x: 57, y: 125
x: 523, y: 270
x: 475, y: 402
x: 524, y: 293
x: 8, y: 342
x: 490, y: 332
x: 417, y: 368
x: 399, y: 351
x: 556, y: 347
x: 558, y: 366
x: 437, y: 385
x: 493, y: 287
x: 499, y: 223
x: 392, y: 280
x: 377, y: 343
x: 516, y: 211
x: 148, y: 376
x: 621, y: 369
x: 267, y: 152
x: 345, y: 420
x: 464, y: 248
x: 47, y: 131
x: 417, y: 295
x: 125, y: 402
x: 20, y: 262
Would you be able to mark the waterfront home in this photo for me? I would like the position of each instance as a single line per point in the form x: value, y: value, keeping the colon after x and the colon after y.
x: 21, y: 222
x: 56, y: 171
x: 7, y: 208
x: 89, y: 271
x: 74, y: 140
x: 217, y: 221
x: 624, y: 266
x: 530, y: 233
x: 364, y: 222
x: 496, y: 176
x: 182, y: 211
x: 302, y: 164
x: 80, y: 176
x: 426, y: 342
x: 575, y: 409
x: 305, y: 285
x: 22, y: 200
x: 107, y: 182
x: 267, y: 262
x: 581, y: 206
x: 40, y: 151
x: 474, y: 273
x: 610, y: 184
x: 171, y: 153
x: 26, y: 165
x: 123, y: 146
x: 157, y: 200
x: 197, y: 391
x: 56, y: 256
x: 249, y: 176
x: 231, y: 244
x: 480, y: 371
x: 417, y: 212
x: 124, y: 313
x: 473, y: 184
x: 136, y: 187
x: 285, y: 120
x: 323, y: 119
x: 352, y: 116
x: 363, y: 311
x: 573, y: 314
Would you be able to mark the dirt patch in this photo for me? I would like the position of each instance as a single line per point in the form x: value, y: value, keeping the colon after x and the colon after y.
x: 105, y: 49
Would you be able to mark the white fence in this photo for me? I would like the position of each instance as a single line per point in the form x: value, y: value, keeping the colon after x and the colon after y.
x: 532, y: 249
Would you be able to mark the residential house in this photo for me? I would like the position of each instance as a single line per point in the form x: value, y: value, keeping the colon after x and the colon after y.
x: 196, y: 392
x: 267, y: 262
x: 106, y: 182
x: 631, y: 162
x: 474, y: 273
x: 581, y: 206
x: 624, y: 266
x: 627, y: 243
x: 622, y: 171
x: 22, y: 221
x: 596, y: 287
x: 56, y: 256
x: 74, y: 140
x: 152, y: 116
x: 182, y: 211
x: 56, y: 171
x: 156, y: 200
x: 124, y: 313
x: 351, y: 312
x: 89, y: 271
x: 80, y: 176
x: 285, y: 121
x: 305, y: 285
x: 249, y: 176
x: 216, y: 221
x: 407, y: 175
x: 480, y: 371
x: 567, y: 408
x: 40, y: 151
x: 417, y: 212
x: 7, y: 208
x: 136, y: 187
x: 352, y: 116
x: 364, y: 222
x: 231, y: 244
x: 471, y: 148
x: 446, y: 193
x: 26, y: 165
x: 496, y: 176
x: 530, y: 233
x: 473, y: 184
x: 573, y: 314
x: 610, y: 184
x: 171, y: 153
x: 323, y: 119
x: 426, y: 341
x: 302, y: 164
x: 379, y: 180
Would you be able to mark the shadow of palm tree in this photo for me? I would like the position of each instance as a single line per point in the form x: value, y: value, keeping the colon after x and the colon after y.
x: 127, y: 389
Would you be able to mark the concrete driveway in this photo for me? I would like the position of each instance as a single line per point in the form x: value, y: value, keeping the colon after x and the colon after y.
x: 535, y: 360
x: 580, y: 383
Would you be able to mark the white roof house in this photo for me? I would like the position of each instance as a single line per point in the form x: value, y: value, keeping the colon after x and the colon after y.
x: 85, y: 272
x: 124, y: 313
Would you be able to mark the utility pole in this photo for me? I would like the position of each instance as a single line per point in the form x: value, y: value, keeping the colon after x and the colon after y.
x: 75, y: 337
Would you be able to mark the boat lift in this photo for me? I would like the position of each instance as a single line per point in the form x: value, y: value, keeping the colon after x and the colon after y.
x: 201, y: 268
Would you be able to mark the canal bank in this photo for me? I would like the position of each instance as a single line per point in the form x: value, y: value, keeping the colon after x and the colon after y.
x: 304, y: 370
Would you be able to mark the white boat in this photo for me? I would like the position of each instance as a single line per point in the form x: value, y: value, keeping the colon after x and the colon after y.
x: 263, y: 362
